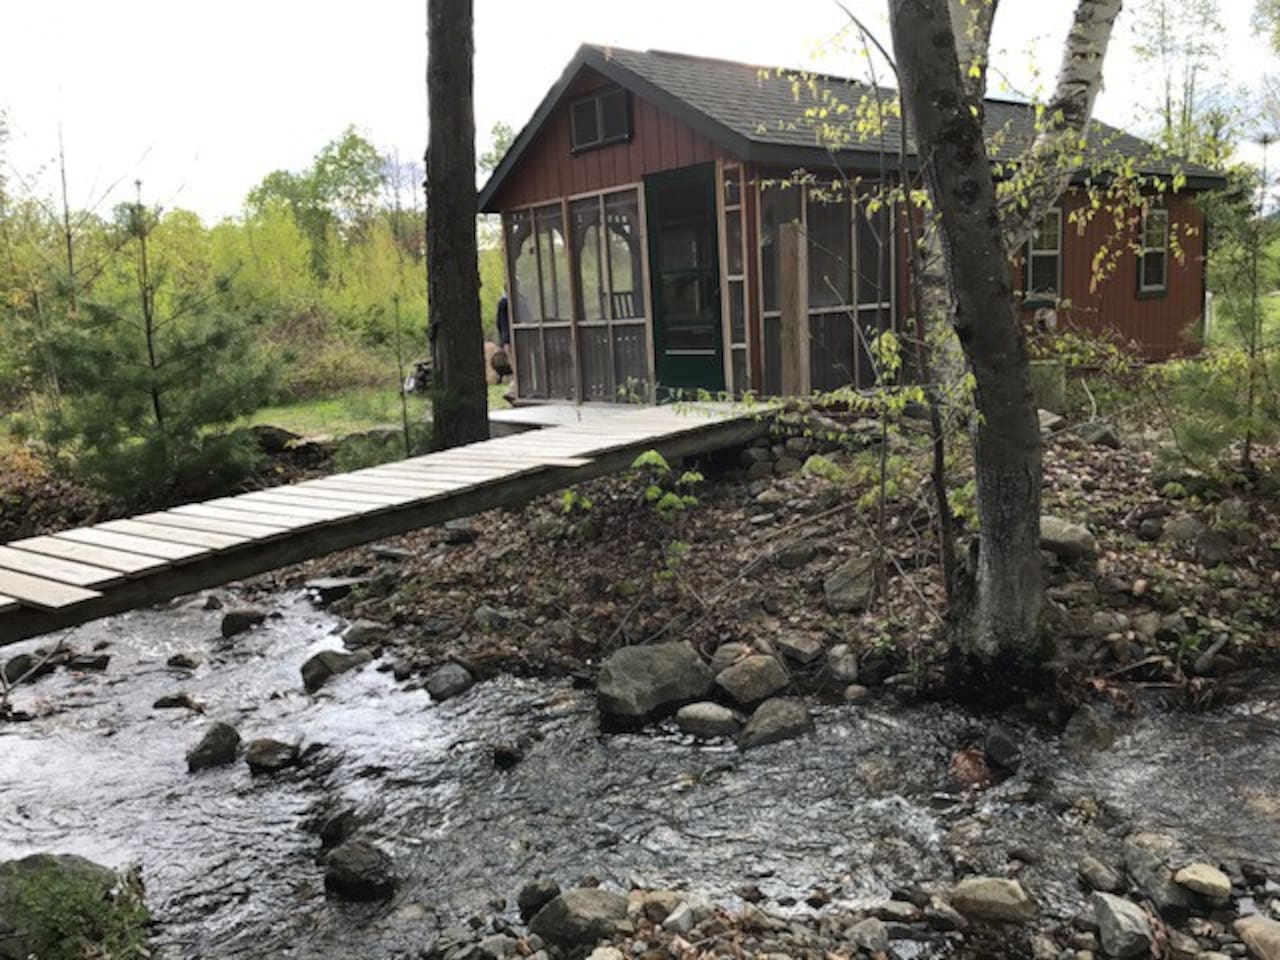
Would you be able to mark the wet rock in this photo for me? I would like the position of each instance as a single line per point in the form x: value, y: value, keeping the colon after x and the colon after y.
x: 216, y: 748
x: 850, y: 588
x: 708, y: 720
x: 317, y: 671
x: 753, y: 679
x: 993, y: 898
x: 87, y: 662
x: 338, y: 827
x: 796, y: 555
x: 1261, y: 935
x: 1066, y: 540
x: 870, y: 935
x: 236, y: 622
x: 535, y: 895
x: 1097, y: 875
x: 365, y: 633
x: 580, y: 916
x: 856, y: 693
x: 1146, y: 857
x: 183, y: 661
x: 644, y: 682
x: 25, y: 665
x: 357, y: 870
x: 270, y: 756
x: 327, y: 590
x: 497, y: 946
x: 448, y: 681
x: 1123, y: 927
x: 178, y: 701
x: 49, y: 872
x: 1206, y: 880
x: 1099, y: 433
x: 799, y: 647
x: 388, y: 553
x: 658, y: 904
x: 507, y: 754
x: 1002, y: 749
x: 1150, y: 529
x: 775, y: 720
x: 785, y: 466
x: 842, y: 663
x: 941, y: 915
x: 1088, y: 731
x: 606, y: 953
x: 1050, y: 422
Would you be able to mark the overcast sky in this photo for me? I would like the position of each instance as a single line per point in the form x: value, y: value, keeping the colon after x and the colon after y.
x: 201, y: 100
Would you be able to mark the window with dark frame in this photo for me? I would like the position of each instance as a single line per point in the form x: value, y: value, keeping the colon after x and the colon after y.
x: 599, y: 119
x: 1153, y: 261
x: 1042, y: 260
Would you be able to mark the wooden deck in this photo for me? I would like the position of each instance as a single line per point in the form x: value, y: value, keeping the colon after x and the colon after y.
x: 52, y: 582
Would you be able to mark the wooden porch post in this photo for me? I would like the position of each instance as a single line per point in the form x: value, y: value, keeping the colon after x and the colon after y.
x: 793, y: 296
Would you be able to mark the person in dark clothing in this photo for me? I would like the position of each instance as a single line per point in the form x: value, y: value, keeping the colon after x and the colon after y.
x: 504, y: 321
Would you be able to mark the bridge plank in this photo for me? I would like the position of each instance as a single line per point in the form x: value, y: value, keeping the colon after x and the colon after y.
x: 246, y: 514
x: 45, y: 594
x: 288, y: 498
x: 254, y: 531
x: 192, y: 538
x: 56, y: 568
x: 7, y: 603
x: 410, y: 484
x: 260, y: 503
x: 132, y: 544
x: 130, y: 564
x: 331, y: 491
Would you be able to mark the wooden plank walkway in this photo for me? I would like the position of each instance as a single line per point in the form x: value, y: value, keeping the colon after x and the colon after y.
x: 52, y: 582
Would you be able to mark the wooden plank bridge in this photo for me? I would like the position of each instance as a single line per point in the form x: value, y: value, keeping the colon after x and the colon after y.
x: 52, y: 582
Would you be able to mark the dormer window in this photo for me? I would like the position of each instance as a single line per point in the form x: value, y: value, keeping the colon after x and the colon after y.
x: 601, y: 118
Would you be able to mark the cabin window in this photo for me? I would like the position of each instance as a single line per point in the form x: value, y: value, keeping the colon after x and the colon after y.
x: 1042, y: 259
x: 603, y: 117
x: 1153, y: 262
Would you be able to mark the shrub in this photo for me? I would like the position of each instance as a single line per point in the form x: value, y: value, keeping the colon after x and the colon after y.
x: 62, y: 912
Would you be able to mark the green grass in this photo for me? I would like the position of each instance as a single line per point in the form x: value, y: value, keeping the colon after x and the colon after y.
x: 354, y: 410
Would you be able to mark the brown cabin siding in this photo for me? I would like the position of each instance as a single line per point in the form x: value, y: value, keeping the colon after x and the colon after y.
x: 550, y: 170
x: 1160, y: 326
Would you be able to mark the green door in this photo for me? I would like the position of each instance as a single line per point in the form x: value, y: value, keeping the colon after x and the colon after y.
x: 684, y: 265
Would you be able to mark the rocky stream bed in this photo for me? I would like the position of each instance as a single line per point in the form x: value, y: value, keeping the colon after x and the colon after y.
x: 846, y: 841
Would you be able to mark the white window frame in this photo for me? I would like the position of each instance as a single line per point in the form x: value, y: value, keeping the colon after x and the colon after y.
x: 1030, y: 254
x: 1163, y: 286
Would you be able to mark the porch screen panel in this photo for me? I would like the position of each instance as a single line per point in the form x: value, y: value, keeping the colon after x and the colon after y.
x: 526, y: 302
x: 734, y: 292
x: 630, y: 362
x: 831, y: 350
x: 626, y: 254
x: 558, y: 343
x: 591, y: 287
x: 597, y: 364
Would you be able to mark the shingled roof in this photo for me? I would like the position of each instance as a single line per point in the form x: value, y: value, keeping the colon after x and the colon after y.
x: 757, y: 114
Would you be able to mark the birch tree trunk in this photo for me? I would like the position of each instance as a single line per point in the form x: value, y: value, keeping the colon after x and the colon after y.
x: 459, y: 396
x: 1000, y: 615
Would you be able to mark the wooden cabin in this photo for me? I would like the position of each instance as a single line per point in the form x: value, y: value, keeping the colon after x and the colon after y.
x: 646, y: 205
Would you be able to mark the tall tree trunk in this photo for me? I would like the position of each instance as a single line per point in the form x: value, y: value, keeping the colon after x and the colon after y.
x: 459, y: 396
x: 1001, y: 612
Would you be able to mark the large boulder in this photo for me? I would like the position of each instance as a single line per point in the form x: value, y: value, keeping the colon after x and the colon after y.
x: 535, y: 895
x: 753, y: 679
x: 1070, y: 541
x: 43, y: 872
x: 1261, y: 935
x: 235, y: 622
x: 1147, y: 858
x: 993, y: 898
x: 449, y: 680
x: 642, y: 683
x: 1123, y: 926
x: 1206, y: 880
x: 216, y: 748
x: 775, y: 720
x: 851, y: 587
x: 357, y: 870
x: 270, y: 756
x: 580, y: 916
x: 329, y: 663
x: 708, y: 720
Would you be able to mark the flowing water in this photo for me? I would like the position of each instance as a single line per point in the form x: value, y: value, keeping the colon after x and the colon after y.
x: 862, y: 808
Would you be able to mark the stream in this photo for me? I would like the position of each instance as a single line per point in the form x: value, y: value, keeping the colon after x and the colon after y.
x: 861, y: 809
